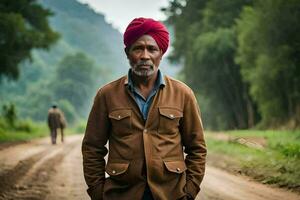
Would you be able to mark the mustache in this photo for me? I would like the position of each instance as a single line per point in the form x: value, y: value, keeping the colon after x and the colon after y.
x: 142, y: 63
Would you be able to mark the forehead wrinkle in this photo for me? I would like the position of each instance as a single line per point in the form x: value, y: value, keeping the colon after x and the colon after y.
x: 146, y: 40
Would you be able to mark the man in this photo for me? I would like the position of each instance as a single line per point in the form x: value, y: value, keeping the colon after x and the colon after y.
x: 148, y: 119
x: 56, y: 120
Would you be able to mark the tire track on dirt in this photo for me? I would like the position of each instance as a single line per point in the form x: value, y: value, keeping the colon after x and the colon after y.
x: 28, y: 180
x: 68, y: 183
x: 10, y: 177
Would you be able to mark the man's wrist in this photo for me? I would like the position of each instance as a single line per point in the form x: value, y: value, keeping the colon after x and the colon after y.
x: 191, y: 188
x: 96, y: 192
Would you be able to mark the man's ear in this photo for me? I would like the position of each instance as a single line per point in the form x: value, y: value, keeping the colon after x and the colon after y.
x: 161, y: 54
x: 126, y: 49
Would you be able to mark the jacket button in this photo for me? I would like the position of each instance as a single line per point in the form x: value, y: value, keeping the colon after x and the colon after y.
x: 113, y: 171
x: 119, y: 116
x: 178, y: 169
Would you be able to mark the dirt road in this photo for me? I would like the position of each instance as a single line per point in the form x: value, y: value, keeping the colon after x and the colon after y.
x: 38, y: 171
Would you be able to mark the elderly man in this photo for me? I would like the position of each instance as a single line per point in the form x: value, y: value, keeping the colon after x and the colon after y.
x: 150, y: 120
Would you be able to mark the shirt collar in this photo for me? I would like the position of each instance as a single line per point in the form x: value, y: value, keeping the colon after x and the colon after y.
x: 159, y: 83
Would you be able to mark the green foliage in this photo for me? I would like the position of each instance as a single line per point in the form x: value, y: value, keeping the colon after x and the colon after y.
x: 24, y: 26
x: 269, y: 58
x: 289, y: 150
x: 28, y: 130
x: 277, y: 163
x: 72, y: 82
x: 205, y: 39
x: 242, y: 57
x: 9, y: 114
x: 84, y: 30
x: 80, y: 126
x: 185, y: 17
x: 217, y: 77
x: 39, y: 85
x: 9, y: 120
x: 77, y: 74
x: 39, y: 98
x: 69, y: 111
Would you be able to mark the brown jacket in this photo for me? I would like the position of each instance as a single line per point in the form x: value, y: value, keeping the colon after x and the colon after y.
x: 144, y: 152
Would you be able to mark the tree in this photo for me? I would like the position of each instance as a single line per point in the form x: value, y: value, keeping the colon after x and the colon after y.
x: 217, y: 77
x: 205, y: 40
x: 69, y: 111
x: 268, y: 52
x: 75, y: 80
x: 24, y: 26
x: 39, y: 97
x: 9, y: 114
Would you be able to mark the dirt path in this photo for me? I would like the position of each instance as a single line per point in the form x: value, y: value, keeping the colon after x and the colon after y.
x: 40, y: 171
x: 220, y: 185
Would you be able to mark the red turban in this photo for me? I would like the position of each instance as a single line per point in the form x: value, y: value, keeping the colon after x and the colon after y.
x: 147, y: 26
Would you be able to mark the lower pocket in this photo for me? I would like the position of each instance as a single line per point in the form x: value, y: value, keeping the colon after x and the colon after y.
x: 177, y: 167
x: 116, y: 168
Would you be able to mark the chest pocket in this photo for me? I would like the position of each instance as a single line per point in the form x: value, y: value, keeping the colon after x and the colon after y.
x: 169, y: 120
x: 121, y: 121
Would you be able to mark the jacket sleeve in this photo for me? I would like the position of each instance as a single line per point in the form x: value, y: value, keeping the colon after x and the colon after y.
x: 194, y: 144
x: 94, y: 149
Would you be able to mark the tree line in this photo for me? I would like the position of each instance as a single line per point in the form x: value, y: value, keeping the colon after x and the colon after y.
x: 30, y: 84
x: 242, y: 58
x: 71, y: 85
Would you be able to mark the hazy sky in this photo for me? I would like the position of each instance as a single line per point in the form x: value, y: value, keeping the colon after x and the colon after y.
x: 120, y: 12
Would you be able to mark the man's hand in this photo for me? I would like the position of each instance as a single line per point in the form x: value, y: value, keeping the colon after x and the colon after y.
x: 187, y: 197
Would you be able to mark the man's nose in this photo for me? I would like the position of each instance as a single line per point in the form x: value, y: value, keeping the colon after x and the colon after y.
x: 145, y: 54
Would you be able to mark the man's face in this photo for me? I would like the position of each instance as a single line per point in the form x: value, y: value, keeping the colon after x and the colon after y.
x: 144, y: 56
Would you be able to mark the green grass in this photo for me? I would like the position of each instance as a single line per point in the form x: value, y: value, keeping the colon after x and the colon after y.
x: 277, y: 163
x: 13, y: 135
x: 28, y: 130
x: 80, y: 126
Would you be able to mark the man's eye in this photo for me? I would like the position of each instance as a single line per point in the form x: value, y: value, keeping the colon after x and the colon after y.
x: 153, y: 49
x: 137, y: 48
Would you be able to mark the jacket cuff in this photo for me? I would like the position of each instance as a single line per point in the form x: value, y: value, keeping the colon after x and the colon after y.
x: 192, y: 189
x: 96, y: 192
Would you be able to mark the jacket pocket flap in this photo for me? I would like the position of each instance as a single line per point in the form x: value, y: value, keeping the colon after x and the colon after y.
x: 115, y: 169
x: 175, y: 166
x: 170, y: 113
x: 120, y: 114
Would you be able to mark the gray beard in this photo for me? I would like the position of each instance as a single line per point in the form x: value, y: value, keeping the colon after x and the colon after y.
x: 142, y: 73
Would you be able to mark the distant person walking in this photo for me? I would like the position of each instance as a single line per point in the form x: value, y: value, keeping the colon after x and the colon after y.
x: 56, y: 120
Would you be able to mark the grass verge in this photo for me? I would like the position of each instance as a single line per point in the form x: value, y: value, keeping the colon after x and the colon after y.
x: 29, y: 130
x: 276, y: 162
x: 36, y: 130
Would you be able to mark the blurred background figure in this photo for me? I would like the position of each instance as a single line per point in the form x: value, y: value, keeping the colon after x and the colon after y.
x: 56, y: 120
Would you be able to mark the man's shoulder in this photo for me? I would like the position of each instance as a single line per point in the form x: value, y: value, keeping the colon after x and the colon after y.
x: 178, y: 87
x: 111, y: 86
x: 50, y: 111
x: 175, y: 83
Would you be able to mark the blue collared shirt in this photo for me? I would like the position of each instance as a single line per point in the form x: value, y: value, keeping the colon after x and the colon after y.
x: 144, y: 104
